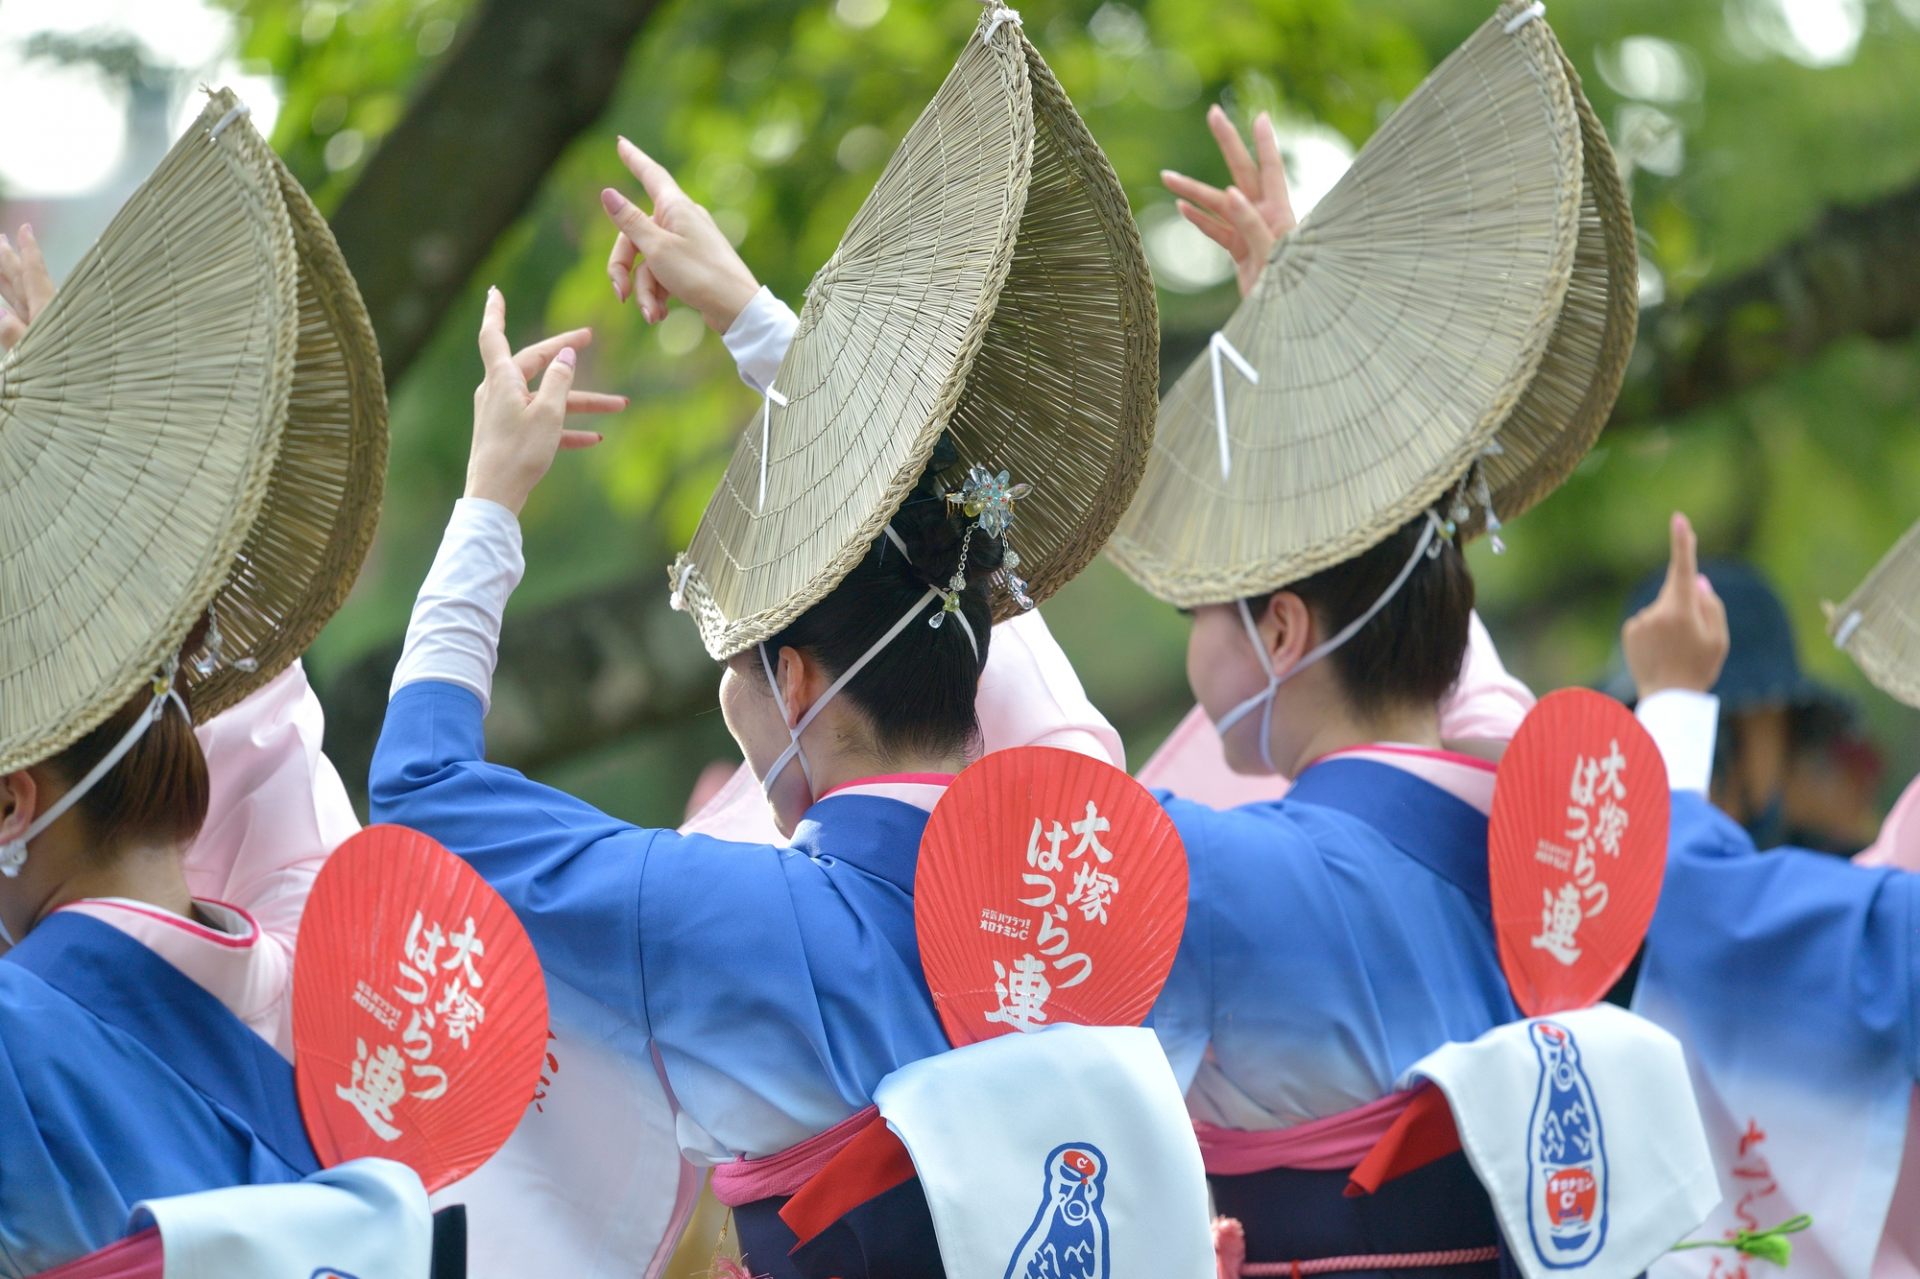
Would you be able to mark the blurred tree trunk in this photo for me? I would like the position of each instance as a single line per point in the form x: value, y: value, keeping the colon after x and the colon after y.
x: 1856, y: 271
x: 471, y: 153
x: 573, y: 676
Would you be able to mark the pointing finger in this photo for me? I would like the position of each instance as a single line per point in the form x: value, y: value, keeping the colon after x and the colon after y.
x: 1683, y: 568
x: 494, y: 351
x: 653, y: 175
x: 1246, y: 175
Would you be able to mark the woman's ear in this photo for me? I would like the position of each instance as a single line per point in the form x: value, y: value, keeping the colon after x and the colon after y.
x: 19, y: 801
x: 799, y: 682
x: 1287, y: 628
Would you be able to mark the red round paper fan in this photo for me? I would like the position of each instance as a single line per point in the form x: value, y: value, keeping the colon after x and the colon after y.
x: 419, y: 1009
x: 1577, y: 849
x: 1051, y: 888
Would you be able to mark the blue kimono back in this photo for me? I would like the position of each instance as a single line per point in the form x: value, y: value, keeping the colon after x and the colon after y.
x: 122, y: 1080
x: 1335, y: 937
x: 777, y: 985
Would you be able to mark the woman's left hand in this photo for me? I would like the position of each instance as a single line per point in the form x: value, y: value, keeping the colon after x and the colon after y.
x: 1249, y: 216
x: 25, y: 286
x: 516, y: 430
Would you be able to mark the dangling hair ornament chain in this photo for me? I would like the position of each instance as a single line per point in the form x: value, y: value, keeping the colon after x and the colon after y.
x: 987, y: 499
x: 213, y: 651
x: 1473, y: 490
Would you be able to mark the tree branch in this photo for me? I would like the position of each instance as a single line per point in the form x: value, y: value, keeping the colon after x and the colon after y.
x: 1856, y: 271
x: 471, y: 152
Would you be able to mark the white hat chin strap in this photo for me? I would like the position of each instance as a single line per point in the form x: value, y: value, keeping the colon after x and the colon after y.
x: 793, y: 750
x: 1263, y: 700
x: 13, y: 854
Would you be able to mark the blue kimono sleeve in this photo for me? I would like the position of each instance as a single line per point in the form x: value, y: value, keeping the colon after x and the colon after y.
x: 571, y: 872
x: 1183, y: 1015
x: 1828, y: 953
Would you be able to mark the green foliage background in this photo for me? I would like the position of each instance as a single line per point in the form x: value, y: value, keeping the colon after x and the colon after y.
x: 779, y: 115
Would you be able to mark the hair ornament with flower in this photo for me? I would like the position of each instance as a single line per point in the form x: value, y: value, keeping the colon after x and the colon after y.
x: 987, y: 499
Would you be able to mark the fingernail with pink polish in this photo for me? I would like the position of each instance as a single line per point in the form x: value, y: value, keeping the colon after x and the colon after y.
x: 612, y: 201
x: 566, y: 357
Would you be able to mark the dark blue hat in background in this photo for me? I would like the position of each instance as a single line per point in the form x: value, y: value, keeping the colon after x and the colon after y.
x: 1763, y: 662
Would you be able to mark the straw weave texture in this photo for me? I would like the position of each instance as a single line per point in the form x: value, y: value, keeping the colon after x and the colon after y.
x: 1567, y: 404
x: 304, y: 551
x: 139, y: 421
x: 1886, y: 639
x: 1394, y: 331
x: 993, y: 283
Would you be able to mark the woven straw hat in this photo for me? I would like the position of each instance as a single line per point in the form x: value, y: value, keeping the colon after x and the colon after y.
x: 205, y: 387
x: 1420, y: 311
x: 1566, y: 405
x: 323, y: 500
x: 1879, y: 624
x: 992, y: 286
x: 139, y: 421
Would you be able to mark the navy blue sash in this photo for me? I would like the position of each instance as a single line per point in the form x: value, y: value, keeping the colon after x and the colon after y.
x: 131, y: 988
x: 1446, y: 835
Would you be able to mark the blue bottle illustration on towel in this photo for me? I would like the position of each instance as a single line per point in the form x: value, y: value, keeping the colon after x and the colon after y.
x: 1566, y: 1154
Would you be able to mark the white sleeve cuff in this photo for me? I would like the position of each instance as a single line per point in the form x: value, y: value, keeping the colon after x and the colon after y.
x: 1683, y: 725
x: 454, y: 635
x: 759, y: 338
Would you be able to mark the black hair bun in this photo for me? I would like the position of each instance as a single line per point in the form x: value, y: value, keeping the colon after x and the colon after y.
x: 935, y: 529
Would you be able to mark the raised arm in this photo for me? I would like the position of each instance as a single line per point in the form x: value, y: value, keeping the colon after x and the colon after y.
x: 1675, y: 648
x: 571, y: 871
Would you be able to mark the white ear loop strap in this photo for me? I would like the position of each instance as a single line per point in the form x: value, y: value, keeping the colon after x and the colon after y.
x: 966, y: 627
x: 1264, y: 700
x: 14, y: 854
x: 793, y: 750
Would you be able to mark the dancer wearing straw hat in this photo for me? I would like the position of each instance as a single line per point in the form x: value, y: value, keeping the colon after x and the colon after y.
x: 129, y: 1003
x: 1429, y: 353
x: 924, y: 462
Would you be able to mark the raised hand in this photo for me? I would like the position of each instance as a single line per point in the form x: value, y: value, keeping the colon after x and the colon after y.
x: 1248, y: 217
x: 676, y: 251
x: 25, y: 286
x: 516, y: 430
x: 1680, y: 640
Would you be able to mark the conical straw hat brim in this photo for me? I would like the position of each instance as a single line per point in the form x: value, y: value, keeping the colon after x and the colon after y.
x: 306, y: 547
x: 1392, y: 333
x: 139, y: 422
x: 1572, y: 394
x: 1879, y: 624
x: 992, y: 284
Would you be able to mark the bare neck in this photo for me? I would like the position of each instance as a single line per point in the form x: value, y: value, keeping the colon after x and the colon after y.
x: 843, y: 767
x: 1344, y: 730
x: 152, y: 876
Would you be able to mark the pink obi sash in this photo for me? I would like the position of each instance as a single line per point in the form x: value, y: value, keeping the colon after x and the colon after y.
x: 1330, y: 1144
x: 746, y: 1181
